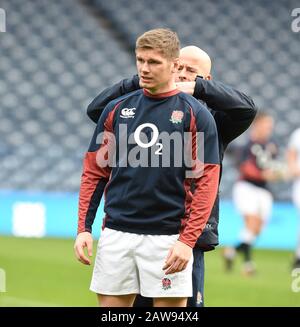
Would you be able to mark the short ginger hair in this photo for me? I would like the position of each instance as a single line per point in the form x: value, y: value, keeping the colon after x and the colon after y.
x: 162, y: 39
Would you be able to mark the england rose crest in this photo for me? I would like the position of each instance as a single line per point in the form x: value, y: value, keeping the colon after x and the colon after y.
x: 176, y: 117
x: 166, y: 283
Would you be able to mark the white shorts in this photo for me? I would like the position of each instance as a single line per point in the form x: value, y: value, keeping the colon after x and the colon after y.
x: 252, y: 200
x: 128, y: 263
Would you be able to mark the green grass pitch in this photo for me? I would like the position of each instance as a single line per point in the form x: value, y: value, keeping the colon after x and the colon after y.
x: 44, y: 272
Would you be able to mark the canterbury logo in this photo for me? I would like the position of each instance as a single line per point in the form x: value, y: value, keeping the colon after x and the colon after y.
x: 127, y: 113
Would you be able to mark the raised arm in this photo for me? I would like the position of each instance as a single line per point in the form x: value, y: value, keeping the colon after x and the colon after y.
x: 292, y: 154
x: 125, y: 86
x: 234, y: 110
x: 237, y: 109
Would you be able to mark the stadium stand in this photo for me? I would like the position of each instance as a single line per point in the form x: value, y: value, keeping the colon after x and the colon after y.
x: 56, y: 56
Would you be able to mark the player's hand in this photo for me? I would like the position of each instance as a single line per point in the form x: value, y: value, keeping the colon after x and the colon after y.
x: 84, y: 240
x: 186, y: 87
x: 271, y: 175
x: 178, y: 258
x: 294, y: 172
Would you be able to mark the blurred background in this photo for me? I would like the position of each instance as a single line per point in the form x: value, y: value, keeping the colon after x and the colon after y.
x: 55, y: 57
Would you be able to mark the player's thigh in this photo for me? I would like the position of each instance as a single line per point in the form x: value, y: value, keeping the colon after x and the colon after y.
x: 116, y: 301
x: 154, y: 283
x: 198, y: 279
x: 245, y: 198
x: 254, y: 223
x: 170, y: 302
x: 115, y: 271
x: 265, y: 205
x: 198, y: 270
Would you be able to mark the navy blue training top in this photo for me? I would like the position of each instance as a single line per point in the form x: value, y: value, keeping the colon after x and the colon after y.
x: 126, y: 162
x: 232, y: 110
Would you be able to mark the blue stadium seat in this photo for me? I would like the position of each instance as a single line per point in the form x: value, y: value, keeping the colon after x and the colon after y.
x: 58, y: 55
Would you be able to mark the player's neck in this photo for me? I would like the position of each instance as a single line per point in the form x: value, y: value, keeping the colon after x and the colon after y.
x: 163, y: 88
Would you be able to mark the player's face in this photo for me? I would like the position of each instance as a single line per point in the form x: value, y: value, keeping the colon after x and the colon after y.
x: 265, y: 127
x: 155, y: 70
x: 189, y: 68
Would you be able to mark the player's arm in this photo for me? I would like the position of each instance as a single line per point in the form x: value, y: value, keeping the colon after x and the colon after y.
x: 235, y: 110
x: 292, y: 155
x: 250, y: 170
x: 206, y: 172
x: 293, y: 166
x: 95, y: 175
x: 125, y: 86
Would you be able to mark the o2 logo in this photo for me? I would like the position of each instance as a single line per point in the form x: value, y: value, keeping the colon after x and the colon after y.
x: 137, y: 138
x: 295, y: 26
x: 296, y: 280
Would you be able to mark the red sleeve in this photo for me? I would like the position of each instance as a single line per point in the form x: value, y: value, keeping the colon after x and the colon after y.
x: 206, y: 180
x: 202, y: 204
x: 96, y: 172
